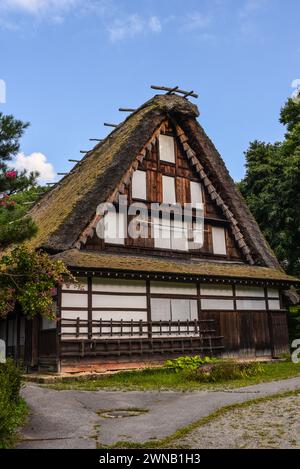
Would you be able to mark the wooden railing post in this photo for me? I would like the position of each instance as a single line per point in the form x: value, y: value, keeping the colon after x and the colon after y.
x: 77, y: 326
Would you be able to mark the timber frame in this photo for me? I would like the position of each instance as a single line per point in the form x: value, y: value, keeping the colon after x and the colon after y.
x: 111, y: 321
x: 208, y: 335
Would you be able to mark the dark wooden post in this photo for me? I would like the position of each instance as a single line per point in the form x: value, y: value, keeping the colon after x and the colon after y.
x: 270, y: 323
x: 58, y: 328
x: 149, y: 319
x: 90, y: 306
x: 199, y: 306
x: 35, y: 332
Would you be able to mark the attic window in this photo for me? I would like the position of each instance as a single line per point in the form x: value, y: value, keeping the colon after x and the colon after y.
x: 114, y: 228
x: 218, y: 240
x: 139, y: 189
x: 166, y: 148
x: 169, y: 196
x: 170, y: 234
x: 196, y: 193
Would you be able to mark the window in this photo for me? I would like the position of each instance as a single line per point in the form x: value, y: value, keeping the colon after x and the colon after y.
x: 139, y: 185
x: 161, y: 233
x: 273, y: 293
x: 251, y: 304
x: 170, y: 234
x: 118, y: 286
x: 249, y: 291
x: 179, y: 235
x: 169, y: 196
x: 119, y: 301
x: 218, y: 240
x: 173, y: 288
x: 216, y: 290
x: 114, y: 228
x: 72, y: 300
x: 212, y: 303
x: 274, y: 304
x: 166, y: 309
x: 273, y: 298
x: 196, y: 193
x: 166, y: 148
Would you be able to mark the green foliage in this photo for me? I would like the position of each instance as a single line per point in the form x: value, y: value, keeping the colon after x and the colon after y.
x: 228, y: 370
x: 30, y: 278
x: 187, y: 363
x: 11, y: 130
x: 16, y: 188
x: 294, y: 322
x: 271, y: 188
x: 12, y: 408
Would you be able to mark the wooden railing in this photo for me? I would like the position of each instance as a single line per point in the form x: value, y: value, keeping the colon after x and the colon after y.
x: 82, y: 338
x: 97, y: 329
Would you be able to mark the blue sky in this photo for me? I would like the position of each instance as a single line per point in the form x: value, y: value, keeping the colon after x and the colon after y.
x: 69, y: 64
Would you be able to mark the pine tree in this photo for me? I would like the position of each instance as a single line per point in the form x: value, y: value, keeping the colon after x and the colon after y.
x: 15, y: 226
x: 271, y: 188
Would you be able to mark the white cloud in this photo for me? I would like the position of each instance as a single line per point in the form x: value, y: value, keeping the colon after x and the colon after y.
x: 131, y: 26
x: 118, y: 25
x: 196, y: 20
x: 53, y: 10
x: 39, y: 6
x: 155, y: 24
x: 126, y: 27
x: 35, y: 162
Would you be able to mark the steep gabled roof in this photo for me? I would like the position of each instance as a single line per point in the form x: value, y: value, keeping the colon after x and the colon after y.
x: 69, y: 207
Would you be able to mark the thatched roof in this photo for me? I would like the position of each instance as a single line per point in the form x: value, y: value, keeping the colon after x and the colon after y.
x: 68, y: 208
x: 95, y: 260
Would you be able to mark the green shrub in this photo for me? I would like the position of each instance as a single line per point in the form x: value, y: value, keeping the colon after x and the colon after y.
x: 227, y: 370
x: 294, y: 322
x: 187, y: 363
x: 12, y: 407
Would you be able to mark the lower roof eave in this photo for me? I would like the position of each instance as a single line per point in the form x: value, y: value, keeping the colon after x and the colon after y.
x: 155, y: 268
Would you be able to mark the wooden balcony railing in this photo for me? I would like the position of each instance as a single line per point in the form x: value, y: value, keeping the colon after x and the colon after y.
x: 98, y: 329
x: 82, y: 338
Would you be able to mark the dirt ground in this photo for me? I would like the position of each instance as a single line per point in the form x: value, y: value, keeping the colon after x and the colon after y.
x: 270, y: 424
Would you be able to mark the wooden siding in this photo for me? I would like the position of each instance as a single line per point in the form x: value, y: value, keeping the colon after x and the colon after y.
x: 184, y: 173
x: 240, y: 333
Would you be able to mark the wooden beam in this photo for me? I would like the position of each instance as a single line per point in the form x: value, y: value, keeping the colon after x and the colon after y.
x: 84, y: 151
x: 170, y: 90
x: 126, y: 109
x: 110, y: 125
x: 95, y: 139
x: 75, y: 161
x: 62, y: 174
x: 190, y: 93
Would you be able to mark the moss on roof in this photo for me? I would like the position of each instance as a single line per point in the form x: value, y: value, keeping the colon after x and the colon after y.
x: 95, y: 260
x: 56, y: 206
x: 69, y: 206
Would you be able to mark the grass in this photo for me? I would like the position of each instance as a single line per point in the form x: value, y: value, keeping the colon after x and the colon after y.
x: 171, y: 440
x: 20, y: 413
x: 164, y: 379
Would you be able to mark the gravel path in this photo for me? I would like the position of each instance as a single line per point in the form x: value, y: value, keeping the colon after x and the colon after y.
x: 272, y: 424
x: 74, y: 419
